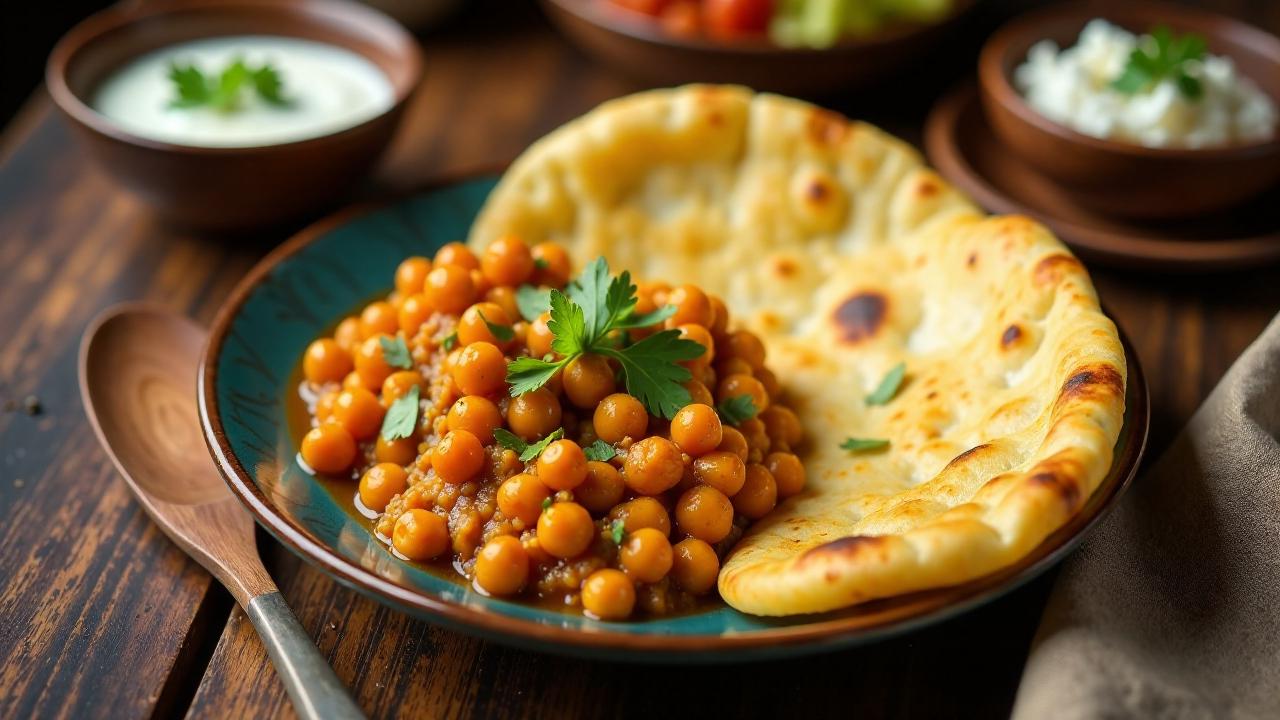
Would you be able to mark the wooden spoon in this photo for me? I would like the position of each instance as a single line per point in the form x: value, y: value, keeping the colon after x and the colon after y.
x: 138, y: 367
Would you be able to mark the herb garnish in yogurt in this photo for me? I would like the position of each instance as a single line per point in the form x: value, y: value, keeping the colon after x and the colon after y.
x: 193, y: 88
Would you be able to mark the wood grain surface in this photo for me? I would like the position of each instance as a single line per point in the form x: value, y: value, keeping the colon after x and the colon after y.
x: 103, y: 617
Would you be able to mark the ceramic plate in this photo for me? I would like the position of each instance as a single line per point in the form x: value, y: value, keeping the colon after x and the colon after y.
x: 297, y: 292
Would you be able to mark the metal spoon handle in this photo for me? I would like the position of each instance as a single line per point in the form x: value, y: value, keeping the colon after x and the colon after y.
x: 317, y: 693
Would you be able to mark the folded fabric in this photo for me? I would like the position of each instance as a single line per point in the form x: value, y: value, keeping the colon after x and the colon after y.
x: 1172, y: 607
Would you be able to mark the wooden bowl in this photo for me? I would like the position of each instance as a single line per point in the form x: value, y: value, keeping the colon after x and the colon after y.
x: 230, y: 188
x: 1117, y: 177
x: 637, y: 46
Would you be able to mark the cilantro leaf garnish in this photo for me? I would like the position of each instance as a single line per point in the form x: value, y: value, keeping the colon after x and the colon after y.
x: 737, y: 409
x: 541, y: 263
x: 863, y: 444
x: 395, y: 352
x: 888, y: 386
x: 450, y: 341
x: 1160, y: 56
x: 503, y: 333
x: 525, y: 450
x: 617, y: 531
x: 509, y: 440
x: 402, y: 417
x: 222, y: 91
x: 584, y: 321
x: 600, y: 451
x: 546, y: 502
x: 532, y: 301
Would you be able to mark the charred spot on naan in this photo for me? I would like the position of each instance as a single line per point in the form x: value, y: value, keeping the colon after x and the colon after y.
x: 1060, y: 476
x: 1096, y: 383
x: 845, y: 549
x: 1011, y: 335
x: 860, y: 316
x: 1052, y: 269
x: 827, y: 128
x: 820, y: 203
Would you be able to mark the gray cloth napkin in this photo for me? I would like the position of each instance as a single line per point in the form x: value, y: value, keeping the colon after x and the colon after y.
x: 1172, y: 607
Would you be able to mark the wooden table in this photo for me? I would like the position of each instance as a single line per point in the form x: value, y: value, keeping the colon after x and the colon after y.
x: 101, y: 615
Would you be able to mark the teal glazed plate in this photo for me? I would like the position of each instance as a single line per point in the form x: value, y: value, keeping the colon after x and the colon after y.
x: 298, y: 291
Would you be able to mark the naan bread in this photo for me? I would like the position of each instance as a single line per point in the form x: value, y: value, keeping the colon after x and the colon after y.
x: 832, y: 241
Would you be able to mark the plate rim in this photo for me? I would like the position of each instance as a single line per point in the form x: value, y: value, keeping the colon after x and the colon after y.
x: 902, y: 614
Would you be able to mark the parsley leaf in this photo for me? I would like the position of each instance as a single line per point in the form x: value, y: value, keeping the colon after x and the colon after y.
x: 401, y: 419
x: 189, y: 86
x: 546, y: 502
x: 509, y: 440
x: 541, y: 263
x: 617, y: 531
x: 450, y: 341
x: 888, y: 386
x: 1159, y: 56
x: 600, y: 451
x: 269, y: 84
x: 527, y: 374
x: 222, y: 91
x: 532, y: 301
x: 395, y: 352
x: 863, y: 444
x: 652, y: 372
x: 737, y: 409
x: 503, y: 333
x: 568, y: 325
x: 534, y: 450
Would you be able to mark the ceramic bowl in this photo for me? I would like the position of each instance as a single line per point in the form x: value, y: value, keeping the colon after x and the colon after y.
x: 247, y: 382
x: 1121, y: 178
x: 636, y: 46
x: 229, y: 189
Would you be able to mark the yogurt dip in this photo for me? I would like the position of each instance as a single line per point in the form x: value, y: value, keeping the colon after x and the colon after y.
x: 328, y: 89
x: 1073, y: 87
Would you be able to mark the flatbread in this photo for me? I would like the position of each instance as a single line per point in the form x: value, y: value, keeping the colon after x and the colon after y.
x: 831, y: 240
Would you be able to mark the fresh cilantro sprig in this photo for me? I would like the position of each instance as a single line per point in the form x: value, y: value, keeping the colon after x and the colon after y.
x: 1162, y: 55
x: 450, y: 341
x: 600, y: 451
x: 532, y: 301
x: 395, y: 352
x: 223, y: 91
x: 503, y: 333
x: 587, y: 320
x: 863, y: 444
x: 888, y: 386
x: 526, y: 451
x: 402, y: 417
x: 737, y: 410
x: 617, y: 531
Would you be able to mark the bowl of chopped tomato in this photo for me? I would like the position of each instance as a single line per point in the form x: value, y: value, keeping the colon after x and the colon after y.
x: 798, y: 47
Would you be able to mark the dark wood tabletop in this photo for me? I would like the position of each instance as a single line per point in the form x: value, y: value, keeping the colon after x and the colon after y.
x: 100, y: 615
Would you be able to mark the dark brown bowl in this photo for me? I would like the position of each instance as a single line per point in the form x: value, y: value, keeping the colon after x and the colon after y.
x: 237, y: 188
x: 1117, y: 177
x: 637, y: 46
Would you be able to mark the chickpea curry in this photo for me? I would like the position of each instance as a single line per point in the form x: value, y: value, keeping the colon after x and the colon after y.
x: 550, y: 437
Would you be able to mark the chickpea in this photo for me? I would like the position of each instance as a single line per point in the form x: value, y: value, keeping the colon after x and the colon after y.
x: 352, y: 380
x: 770, y: 383
x: 757, y: 439
x: 646, y: 555
x: 620, y: 416
x: 480, y: 282
x: 411, y: 274
x: 698, y: 393
x: 400, y: 451
x: 742, y: 384
x: 539, y: 338
x: 562, y: 465
x: 458, y: 457
x: 697, y: 429
x: 588, y: 379
x: 565, y: 530
x: 642, y: 512
x: 653, y: 466
x: 477, y: 415
x: 607, y: 594
x: 325, y: 361
x: 521, y: 496
x: 347, y: 334
x: 380, y: 483
x: 414, y: 311
x: 782, y: 426
x: 705, y: 513
x: 502, y: 566
x: 398, y: 384
x: 480, y: 369
x: 370, y: 365
x: 551, y: 263
x: 744, y: 345
x: 420, y: 535
x: 787, y: 471
x: 455, y: 253
x: 692, y: 306
x: 698, y: 334
x: 505, y: 298
x: 759, y: 493
x: 379, y: 318
x: 727, y: 366
x: 507, y: 261
x: 602, y: 489
x: 473, y: 328
x: 724, y: 471
x: 359, y: 411
x: 328, y: 449
x: 720, y: 323
x: 532, y: 416
x: 694, y: 566
x: 449, y: 289
x: 324, y: 406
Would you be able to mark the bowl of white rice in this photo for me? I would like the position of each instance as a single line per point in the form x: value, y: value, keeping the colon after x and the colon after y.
x: 1138, y: 108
